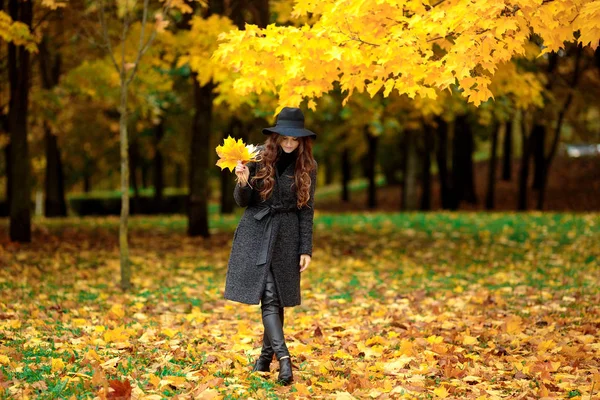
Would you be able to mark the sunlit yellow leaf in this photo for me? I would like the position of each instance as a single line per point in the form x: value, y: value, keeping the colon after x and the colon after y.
x: 57, y: 364
x: 233, y: 151
x: 441, y: 392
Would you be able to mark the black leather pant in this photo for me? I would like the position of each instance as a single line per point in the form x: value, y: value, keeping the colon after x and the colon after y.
x: 272, y: 317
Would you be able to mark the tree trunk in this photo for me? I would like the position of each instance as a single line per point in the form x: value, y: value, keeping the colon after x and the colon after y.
x: 346, y: 174
x: 446, y: 188
x: 411, y: 166
x: 538, y: 143
x: 371, y: 162
x: 158, y: 175
x: 19, y: 78
x: 123, y: 228
x: 133, y: 177
x: 5, y: 131
x: 426, y: 177
x: 370, y: 168
x: 8, y: 176
x: 462, y: 161
x: 55, y: 203
x: 507, y: 153
x: 489, y: 198
x: 524, y: 168
x: 199, y: 156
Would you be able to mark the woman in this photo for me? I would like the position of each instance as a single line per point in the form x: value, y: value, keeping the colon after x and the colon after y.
x: 272, y: 244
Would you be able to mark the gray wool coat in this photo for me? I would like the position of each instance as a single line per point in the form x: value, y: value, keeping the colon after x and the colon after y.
x: 271, y: 232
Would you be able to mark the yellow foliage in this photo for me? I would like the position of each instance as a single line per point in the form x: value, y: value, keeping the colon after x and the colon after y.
x: 232, y: 151
x: 17, y: 33
x: 198, y: 44
x: 415, y: 50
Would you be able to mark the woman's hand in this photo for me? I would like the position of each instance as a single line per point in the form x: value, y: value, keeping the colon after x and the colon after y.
x: 243, y: 173
x: 304, y: 261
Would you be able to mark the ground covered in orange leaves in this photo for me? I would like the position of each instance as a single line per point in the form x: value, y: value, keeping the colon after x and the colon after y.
x: 438, y: 305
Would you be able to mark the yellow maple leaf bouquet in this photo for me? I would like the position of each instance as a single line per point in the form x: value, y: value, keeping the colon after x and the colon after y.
x: 232, y: 151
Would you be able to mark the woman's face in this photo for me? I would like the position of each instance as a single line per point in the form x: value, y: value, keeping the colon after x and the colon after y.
x: 289, y: 143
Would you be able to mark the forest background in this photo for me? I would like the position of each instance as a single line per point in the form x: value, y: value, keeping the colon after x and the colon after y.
x: 422, y: 109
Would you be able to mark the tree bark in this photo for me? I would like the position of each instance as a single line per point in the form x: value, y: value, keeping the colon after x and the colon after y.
x: 524, y: 168
x: 8, y: 176
x: 538, y: 144
x: 370, y: 168
x: 199, y: 156
x: 4, y: 131
x: 133, y: 176
x: 426, y: 170
x: 55, y: 203
x: 507, y: 152
x: 19, y: 78
x: 411, y: 166
x: 158, y: 163
x: 446, y: 188
x: 462, y: 162
x: 123, y: 221
x: 200, y: 147
x: 489, y: 198
x: 346, y: 174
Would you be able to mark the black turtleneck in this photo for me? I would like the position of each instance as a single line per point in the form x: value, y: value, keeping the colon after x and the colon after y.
x: 285, y: 159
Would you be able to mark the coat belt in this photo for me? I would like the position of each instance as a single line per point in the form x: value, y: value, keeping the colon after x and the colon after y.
x: 268, y: 211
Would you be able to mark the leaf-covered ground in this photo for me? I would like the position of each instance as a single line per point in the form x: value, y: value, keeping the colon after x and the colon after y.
x: 421, y: 306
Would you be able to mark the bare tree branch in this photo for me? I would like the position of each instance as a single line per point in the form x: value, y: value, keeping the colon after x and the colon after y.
x: 33, y: 29
x: 105, y: 34
x: 144, y: 47
x: 123, y: 71
x: 141, y: 45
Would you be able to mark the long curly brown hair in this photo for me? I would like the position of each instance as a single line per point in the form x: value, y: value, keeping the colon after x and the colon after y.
x: 304, y: 165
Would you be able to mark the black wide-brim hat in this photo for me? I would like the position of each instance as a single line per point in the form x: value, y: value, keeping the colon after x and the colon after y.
x: 290, y: 122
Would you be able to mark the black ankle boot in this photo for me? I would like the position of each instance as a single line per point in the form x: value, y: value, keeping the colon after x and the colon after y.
x: 263, y: 362
x: 285, y: 371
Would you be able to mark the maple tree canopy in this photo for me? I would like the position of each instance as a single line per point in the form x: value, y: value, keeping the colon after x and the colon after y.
x: 412, y: 46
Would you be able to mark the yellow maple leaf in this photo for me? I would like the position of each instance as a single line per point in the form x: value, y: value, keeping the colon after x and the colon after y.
x: 57, y: 364
x: 469, y: 340
x: 117, y: 335
x: 233, y: 151
x: 441, y: 392
x: 116, y: 311
x: 513, y: 325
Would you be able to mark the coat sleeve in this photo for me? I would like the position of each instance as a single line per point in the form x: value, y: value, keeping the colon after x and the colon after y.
x: 306, y: 216
x: 242, y: 195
